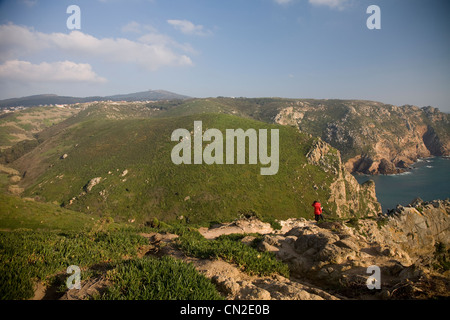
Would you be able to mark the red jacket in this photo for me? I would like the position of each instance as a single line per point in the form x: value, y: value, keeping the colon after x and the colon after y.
x: 317, y: 208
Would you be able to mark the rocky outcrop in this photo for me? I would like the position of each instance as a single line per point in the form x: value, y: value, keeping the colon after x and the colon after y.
x: 373, y: 138
x: 230, y: 280
x: 416, y: 228
x: 433, y: 143
x: 332, y: 260
x: 347, y: 196
x: 92, y: 183
x: 289, y: 116
x: 249, y: 225
x: 336, y: 254
x: 437, y: 137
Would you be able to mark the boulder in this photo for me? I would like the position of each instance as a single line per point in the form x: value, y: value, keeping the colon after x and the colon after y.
x: 93, y: 182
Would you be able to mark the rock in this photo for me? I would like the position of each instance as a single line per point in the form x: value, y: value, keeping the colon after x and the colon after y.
x: 402, y: 164
x: 16, y: 190
x: 64, y: 156
x: 317, y: 152
x: 416, y: 202
x: 93, y: 182
x: 386, y: 167
x: 347, y: 244
x: 248, y: 240
x: 157, y: 237
x: 373, y: 131
x: 252, y: 292
x: 337, y: 255
x: 15, y: 179
x: 412, y: 272
x: 226, y: 285
x: 264, y: 246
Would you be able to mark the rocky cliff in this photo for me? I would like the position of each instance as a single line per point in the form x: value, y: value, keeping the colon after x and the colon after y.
x: 403, y: 245
x: 409, y: 245
x: 373, y: 138
x: 332, y: 259
x: 347, y: 196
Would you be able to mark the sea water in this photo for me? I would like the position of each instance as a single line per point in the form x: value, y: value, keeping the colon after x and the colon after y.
x: 428, y: 178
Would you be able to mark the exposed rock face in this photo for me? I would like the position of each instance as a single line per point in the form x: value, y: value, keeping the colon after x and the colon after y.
x: 231, y: 281
x: 330, y: 260
x: 373, y: 138
x: 416, y: 228
x: 93, y: 182
x: 239, y: 226
x: 289, y: 117
x: 334, y: 254
x: 433, y: 143
x: 347, y: 196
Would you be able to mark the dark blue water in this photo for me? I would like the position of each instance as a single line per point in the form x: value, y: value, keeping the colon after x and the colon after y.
x: 429, y: 180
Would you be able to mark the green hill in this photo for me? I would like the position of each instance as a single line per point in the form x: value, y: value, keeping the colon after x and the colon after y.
x: 23, y: 124
x: 50, y: 99
x: 139, y: 181
x: 372, y: 137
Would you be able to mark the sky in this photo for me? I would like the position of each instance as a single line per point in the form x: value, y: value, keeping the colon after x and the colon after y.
x: 319, y: 49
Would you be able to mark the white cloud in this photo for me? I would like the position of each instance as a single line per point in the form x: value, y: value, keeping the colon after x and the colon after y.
x: 19, y: 41
x: 63, y: 71
x: 187, y: 27
x: 150, y: 56
x: 157, y: 38
x: 334, y: 4
x: 132, y: 27
x: 136, y: 27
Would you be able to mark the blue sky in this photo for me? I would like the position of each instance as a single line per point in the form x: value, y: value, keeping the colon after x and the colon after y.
x: 207, y: 48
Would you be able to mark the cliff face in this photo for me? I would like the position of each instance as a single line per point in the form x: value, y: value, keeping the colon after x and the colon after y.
x: 416, y: 228
x: 373, y: 138
x: 347, y: 196
x: 403, y: 245
x: 409, y: 246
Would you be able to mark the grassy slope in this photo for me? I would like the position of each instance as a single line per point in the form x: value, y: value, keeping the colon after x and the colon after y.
x: 361, y: 122
x: 17, y: 213
x: 22, y: 125
x: 106, y: 250
x: 38, y: 241
x: 154, y: 186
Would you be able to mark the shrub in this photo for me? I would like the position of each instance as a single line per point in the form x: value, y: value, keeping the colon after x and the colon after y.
x: 28, y: 256
x: 231, y: 249
x: 159, y: 279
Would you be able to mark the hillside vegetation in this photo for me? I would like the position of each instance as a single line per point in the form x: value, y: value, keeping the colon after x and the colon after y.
x: 137, y: 180
x: 24, y: 124
x: 97, y: 188
x: 372, y: 137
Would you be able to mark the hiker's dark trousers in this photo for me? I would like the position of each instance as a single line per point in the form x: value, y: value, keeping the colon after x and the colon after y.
x: 318, y: 217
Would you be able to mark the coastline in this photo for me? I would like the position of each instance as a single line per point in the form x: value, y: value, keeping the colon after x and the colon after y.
x: 425, y: 179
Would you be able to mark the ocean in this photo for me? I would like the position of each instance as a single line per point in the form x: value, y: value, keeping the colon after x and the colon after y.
x: 428, y: 179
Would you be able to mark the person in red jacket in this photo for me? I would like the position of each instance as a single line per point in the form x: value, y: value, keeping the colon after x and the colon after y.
x: 317, y: 211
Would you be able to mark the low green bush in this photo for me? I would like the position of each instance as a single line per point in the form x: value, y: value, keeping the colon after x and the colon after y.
x: 158, y: 279
x: 231, y: 249
x: 28, y: 256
